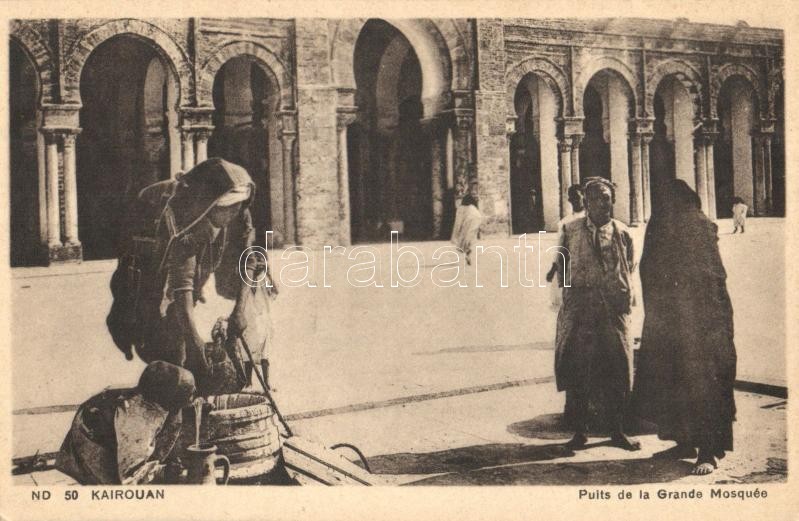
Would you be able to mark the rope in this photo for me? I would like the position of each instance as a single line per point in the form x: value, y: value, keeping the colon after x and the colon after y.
x: 356, y: 450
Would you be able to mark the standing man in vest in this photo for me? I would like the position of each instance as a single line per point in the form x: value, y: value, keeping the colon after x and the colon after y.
x: 593, y: 357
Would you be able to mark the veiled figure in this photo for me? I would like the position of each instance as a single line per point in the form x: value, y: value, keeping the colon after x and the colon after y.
x: 684, y: 382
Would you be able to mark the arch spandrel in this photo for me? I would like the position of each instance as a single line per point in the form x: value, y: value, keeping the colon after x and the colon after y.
x: 41, y: 57
x: 685, y: 73
x: 727, y: 71
x: 548, y: 71
x: 440, y: 49
x: 175, y: 57
x: 268, y: 61
x: 610, y: 63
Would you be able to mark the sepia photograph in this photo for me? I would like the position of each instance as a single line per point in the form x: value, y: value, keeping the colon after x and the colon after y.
x: 277, y: 252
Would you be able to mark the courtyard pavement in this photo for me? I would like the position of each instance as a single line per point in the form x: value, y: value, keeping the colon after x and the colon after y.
x: 436, y: 385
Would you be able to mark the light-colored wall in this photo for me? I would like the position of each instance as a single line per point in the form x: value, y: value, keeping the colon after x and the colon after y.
x: 742, y: 114
x: 550, y: 184
x: 619, y: 169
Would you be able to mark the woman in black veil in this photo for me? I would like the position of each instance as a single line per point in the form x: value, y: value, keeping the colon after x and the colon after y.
x: 686, y: 371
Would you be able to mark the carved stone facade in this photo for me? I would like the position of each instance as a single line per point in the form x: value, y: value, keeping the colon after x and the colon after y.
x: 355, y: 127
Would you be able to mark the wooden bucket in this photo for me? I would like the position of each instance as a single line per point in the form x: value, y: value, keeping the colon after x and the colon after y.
x: 244, y: 428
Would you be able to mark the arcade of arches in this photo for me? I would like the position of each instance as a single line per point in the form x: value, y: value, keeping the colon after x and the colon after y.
x: 355, y: 128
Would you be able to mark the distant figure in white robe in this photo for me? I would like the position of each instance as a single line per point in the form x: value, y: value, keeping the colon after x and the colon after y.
x: 739, y: 210
x: 468, y: 219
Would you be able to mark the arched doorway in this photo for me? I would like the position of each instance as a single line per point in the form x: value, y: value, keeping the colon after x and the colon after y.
x: 671, y: 150
x: 608, y: 105
x: 245, y: 132
x: 390, y: 177
x: 129, y: 138
x: 27, y: 221
x: 733, y: 162
x: 535, y: 204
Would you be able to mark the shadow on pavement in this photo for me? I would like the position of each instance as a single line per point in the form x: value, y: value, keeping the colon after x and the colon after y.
x: 553, y: 427
x: 613, y: 472
x: 465, y: 459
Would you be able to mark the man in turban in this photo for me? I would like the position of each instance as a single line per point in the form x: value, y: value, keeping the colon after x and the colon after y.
x: 593, y: 358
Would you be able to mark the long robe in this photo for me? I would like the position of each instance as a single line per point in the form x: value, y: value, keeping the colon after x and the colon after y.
x: 687, y: 361
x: 593, y: 356
x: 118, y: 437
x: 467, y: 225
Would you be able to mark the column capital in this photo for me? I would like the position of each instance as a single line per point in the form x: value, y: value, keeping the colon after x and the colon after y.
x: 52, y: 133
x: 462, y: 99
x: 564, y: 146
x: 768, y: 126
x: 70, y: 135
x: 642, y: 126
x: 707, y: 130
x: 708, y: 138
x: 203, y: 133
x: 197, y: 116
x: 345, y: 97
x: 510, y: 125
x: 288, y: 124
x: 572, y: 125
x: 576, y: 139
x: 346, y: 116
x: 434, y: 125
x: 61, y: 115
x: 464, y: 118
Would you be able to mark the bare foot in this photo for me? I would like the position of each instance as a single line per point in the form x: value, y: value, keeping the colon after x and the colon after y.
x: 703, y: 469
x: 705, y: 463
x: 679, y: 451
x: 621, y: 441
x: 578, y: 441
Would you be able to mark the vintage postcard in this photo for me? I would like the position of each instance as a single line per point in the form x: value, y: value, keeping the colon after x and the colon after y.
x: 413, y: 260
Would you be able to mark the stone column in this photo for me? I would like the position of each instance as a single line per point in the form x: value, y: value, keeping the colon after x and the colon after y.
x: 343, y: 120
x: 573, y: 135
x: 288, y: 135
x: 70, y: 189
x: 196, y: 128
x: 701, y: 174
x: 391, y: 170
x: 709, y: 138
x: 646, y: 191
x: 202, y: 136
x: 759, y: 175
x: 768, y: 173
x: 188, y: 149
x: 53, y: 199
x: 637, y: 178
x: 42, y: 179
x: 576, y: 139
x: 60, y: 125
x: 438, y: 168
x: 564, y: 147
x: 463, y: 158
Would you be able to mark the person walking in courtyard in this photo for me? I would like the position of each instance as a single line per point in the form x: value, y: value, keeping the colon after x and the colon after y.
x: 593, y: 357
x: 739, y: 210
x: 468, y: 219
x: 687, y: 359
